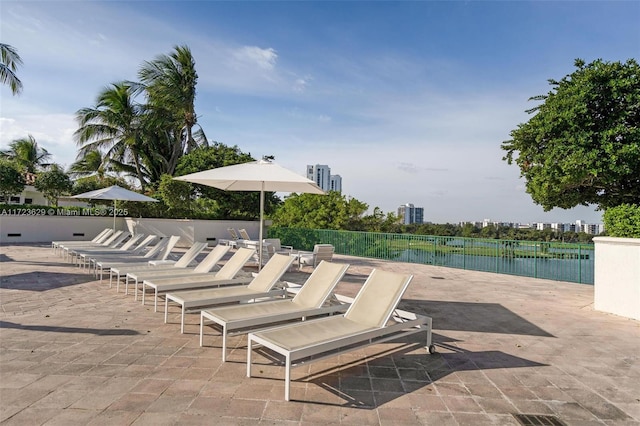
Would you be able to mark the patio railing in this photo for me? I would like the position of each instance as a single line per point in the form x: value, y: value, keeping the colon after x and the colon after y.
x: 536, y: 259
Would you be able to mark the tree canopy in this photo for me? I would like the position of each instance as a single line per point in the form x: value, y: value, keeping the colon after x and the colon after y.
x: 53, y: 183
x: 9, y: 62
x: 223, y: 204
x: 144, y: 139
x: 582, y: 146
x: 11, y: 179
x: 27, y: 154
x: 312, y: 211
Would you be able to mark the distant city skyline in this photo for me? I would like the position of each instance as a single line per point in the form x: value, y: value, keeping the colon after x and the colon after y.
x: 406, y: 100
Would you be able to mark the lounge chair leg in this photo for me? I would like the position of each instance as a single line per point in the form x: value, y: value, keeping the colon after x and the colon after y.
x: 155, y: 301
x: 144, y: 290
x: 224, y: 343
x: 287, y: 377
x: 182, y: 321
x: 166, y: 309
x: 249, y: 357
x: 201, y: 327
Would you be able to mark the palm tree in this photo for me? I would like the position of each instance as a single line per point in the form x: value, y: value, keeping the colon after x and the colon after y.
x: 114, y: 125
x: 90, y: 163
x: 27, y: 154
x: 170, y: 85
x: 8, y: 67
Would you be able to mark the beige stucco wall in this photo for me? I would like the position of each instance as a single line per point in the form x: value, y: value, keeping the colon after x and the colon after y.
x: 617, y: 276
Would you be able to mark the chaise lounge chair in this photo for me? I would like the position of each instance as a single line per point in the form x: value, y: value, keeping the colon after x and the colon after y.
x: 262, y: 286
x: 128, y: 248
x: 114, y: 255
x: 310, y: 300
x: 116, y: 239
x: 97, y: 239
x: 178, y: 269
x: 371, y: 318
x: 225, y: 276
x: 320, y: 252
x: 244, y: 235
x: 161, y: 251
x: 105, y: 241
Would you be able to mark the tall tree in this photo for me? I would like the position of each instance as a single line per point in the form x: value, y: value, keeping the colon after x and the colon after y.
x: 224, y: 204
x: 582, y: 146
x: 169, y: 82
x: 311, y: 211
x: 10, y: 60
x: 11, y: 180
x: 114, y: 124
x: 90, y: 163
x: 53, y: 183
x: 27, y: 154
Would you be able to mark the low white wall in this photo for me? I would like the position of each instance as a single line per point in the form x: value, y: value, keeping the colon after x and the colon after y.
x: 209, y: 231
x: 39, y: 229
x: 617, y: 276
x: 44, y: 229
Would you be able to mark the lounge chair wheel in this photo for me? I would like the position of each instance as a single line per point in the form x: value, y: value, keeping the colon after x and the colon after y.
x: 432, y: 349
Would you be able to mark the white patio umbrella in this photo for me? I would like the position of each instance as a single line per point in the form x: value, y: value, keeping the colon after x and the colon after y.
x: 262, y: 175
x: 114, y: 193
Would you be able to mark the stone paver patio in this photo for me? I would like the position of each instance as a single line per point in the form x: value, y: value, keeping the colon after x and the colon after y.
x: 73, y: 351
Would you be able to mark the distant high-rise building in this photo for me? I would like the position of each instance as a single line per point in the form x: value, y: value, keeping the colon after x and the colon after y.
x: 409, y: 214
x: 321, y: 175
x: 335, y: 183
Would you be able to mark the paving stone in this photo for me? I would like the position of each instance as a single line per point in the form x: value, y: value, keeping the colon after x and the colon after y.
x: 74, y: 351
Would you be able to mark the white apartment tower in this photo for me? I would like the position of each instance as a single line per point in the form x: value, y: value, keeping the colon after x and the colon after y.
x: 335, y: 183
x: 409, y: 214
x: 321, y: 175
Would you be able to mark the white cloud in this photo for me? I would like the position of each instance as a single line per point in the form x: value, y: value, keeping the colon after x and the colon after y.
x: 251, y: 56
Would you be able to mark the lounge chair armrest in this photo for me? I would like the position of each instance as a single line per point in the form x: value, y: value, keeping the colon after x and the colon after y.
x: 161, y: 262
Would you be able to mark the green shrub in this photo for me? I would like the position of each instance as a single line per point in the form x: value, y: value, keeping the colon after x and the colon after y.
x: 623, y: 221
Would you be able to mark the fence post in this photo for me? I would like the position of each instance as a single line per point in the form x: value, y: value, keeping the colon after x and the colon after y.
x: 580, y: 263
x: 464, y: 253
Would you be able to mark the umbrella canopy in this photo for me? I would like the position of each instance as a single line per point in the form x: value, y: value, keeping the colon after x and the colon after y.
x: 114, y: 193
x: 262, y: 175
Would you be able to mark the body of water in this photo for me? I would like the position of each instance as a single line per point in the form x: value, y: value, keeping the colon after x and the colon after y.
x: 578, y: 270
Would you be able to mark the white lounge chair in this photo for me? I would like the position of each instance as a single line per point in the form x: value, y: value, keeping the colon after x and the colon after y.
x: 105, y: 241
x: 277, y: 246
x: 178, y: 269
x: 225, y: 276
x: 234, y: 241
x: 244, y: 235
x: 233, y: 233
x: 263, y: 285
x: 267, y: 250
x: 138, y: 250
x: 371, y: 318
x: 128, y: 247
x: 117, y: 239
x: 310, y: 300
x: 97, y: 239
x: 320, y: 252
x: 161, y: 250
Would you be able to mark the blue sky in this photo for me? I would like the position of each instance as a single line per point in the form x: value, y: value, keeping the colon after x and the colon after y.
x: 407, y: 101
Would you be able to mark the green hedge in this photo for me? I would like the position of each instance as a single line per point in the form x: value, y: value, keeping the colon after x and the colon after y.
x: 623, y: 221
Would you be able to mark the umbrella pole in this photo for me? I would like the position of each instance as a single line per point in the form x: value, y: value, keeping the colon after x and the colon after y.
x: 114, y: 215
x: 261, y: 225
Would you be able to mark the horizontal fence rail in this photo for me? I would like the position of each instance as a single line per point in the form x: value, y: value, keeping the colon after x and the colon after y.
x: 537, y: 259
